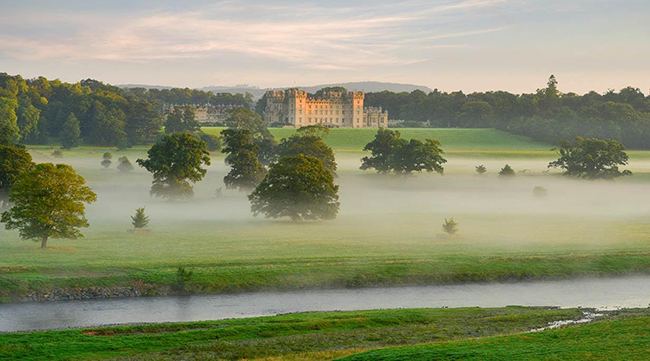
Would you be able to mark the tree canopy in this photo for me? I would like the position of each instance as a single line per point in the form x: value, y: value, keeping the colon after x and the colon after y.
x: 592, y: 159
x: 311, y: 144
x: 246, y: 171
x: 70, y: 133
x: 298, y: 187
x: 391, y: 153
x: 175, y: 161
x: 49, y: 202
x: 14, y: 160
x: 244, y: 118
x: 181, y: 120
x: 382, y: 148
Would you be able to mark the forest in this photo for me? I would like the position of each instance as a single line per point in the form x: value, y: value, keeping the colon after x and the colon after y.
x: 32, y: 111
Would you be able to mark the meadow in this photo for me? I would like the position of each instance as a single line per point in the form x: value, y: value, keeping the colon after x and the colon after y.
x: 388, y: 231
x: 413, y: 334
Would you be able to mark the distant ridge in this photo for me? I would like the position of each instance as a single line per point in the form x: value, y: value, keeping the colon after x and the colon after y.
x: 160, y: 87
x: 364, y: 86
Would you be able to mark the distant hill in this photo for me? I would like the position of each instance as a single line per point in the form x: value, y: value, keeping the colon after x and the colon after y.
x: 159, y: 87
x: 364, y: 86
x: 371, y: 87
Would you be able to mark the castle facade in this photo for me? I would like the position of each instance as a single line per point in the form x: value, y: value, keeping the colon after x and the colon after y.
x: 333, y: 109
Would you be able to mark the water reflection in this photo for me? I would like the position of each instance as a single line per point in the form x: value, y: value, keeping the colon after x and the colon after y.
x: 596, y: 293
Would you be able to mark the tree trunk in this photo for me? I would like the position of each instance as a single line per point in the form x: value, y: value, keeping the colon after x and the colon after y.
x: 44, y: 242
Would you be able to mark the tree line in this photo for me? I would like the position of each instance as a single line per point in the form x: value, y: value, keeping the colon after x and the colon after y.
x: 32, y: 111
x: 547, y: 115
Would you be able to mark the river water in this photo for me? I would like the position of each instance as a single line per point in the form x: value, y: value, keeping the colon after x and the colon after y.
x: 603, y: 293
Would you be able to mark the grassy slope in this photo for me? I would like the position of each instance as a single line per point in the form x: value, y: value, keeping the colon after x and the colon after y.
x: 627, y: 339
x: 303, y: 336
x: 453, y: 140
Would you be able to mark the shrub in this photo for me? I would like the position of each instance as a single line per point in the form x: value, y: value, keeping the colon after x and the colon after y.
x: 507, y: 171
x: 124, y: 165
x: 540, y: 192
x: 450, y: 226
x: 480, y: 169
x: 183, y: 278
x: 57, y: 154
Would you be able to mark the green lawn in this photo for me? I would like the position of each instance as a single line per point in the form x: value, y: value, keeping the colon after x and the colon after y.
x: 353, y: 140
x: 306, y: 336
x: 626, y: 339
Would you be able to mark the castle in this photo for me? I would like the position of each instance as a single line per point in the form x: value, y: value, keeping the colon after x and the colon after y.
x: 333, y: 109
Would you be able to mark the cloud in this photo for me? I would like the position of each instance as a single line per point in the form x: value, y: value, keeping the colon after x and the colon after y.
x: 313, y: 37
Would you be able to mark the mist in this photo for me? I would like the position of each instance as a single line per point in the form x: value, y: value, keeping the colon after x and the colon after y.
x: 395, y: 211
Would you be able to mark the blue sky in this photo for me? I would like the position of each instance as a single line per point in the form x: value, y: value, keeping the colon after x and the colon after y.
x: 469, y: 45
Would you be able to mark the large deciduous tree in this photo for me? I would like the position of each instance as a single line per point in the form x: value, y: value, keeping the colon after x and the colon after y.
x: 592, y: 159
x: 382, y: 149
x: 311, y: 144
x: 246, y: 171
x: 49, y: 202
x: 392, y: 154
x: 298, y: 187
x: 175, y: 161
x: 14, y: 160
x: 416, y: 156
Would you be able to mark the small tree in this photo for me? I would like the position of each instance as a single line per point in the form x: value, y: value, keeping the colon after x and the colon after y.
x: 540, y: 192
x: 450, y: 226
x: 507, y: 171
x: 176, y: 161
x: 70, y: 133
x: 592, y: 159
x: 124, y: 165
x: 140, y: 220
x: 48, y: 203
x: 480, y: 169
x: 57, y: 154
x: 298, y: 187
x: 107, y: 159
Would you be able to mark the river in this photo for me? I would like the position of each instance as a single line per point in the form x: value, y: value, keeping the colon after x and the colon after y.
x: 603, y: 293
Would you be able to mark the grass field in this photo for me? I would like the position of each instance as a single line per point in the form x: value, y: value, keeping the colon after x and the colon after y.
x: 422, y: 334
x: 387, y: 233
x: 295, y: 336
x: 626, y: 339
x: 353, y: 140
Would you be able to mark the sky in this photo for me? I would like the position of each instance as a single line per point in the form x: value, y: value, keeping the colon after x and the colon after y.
x: 468, y: 45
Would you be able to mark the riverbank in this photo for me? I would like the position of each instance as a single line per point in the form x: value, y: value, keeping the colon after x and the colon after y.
x: 43, y: 284
x: 324, y: 335
x: 622, y: 292
x: 621, y: 338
